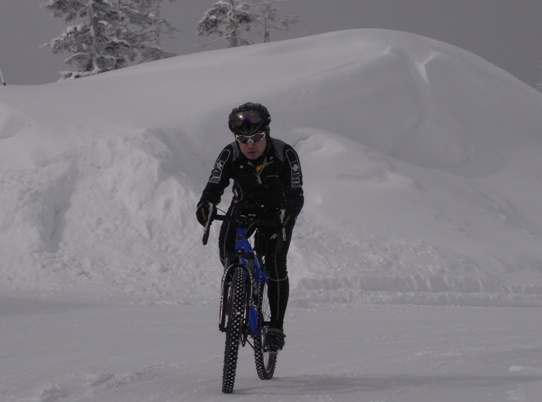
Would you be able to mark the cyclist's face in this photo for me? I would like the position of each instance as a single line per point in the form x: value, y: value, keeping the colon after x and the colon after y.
x: 253, y: 150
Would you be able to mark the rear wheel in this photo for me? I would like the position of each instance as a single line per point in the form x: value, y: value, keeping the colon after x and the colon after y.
x: 266, y: 360
x: 235, y: 314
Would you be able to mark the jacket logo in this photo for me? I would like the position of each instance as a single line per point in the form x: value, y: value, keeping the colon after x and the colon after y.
x: 295, y: 168
x: 216, y: 174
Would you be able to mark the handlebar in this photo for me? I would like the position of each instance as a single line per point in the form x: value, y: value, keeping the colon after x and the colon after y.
x: 247, y: 220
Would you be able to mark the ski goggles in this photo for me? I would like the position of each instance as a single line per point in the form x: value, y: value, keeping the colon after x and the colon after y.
x: 249, y: 116
x: 254, y: 138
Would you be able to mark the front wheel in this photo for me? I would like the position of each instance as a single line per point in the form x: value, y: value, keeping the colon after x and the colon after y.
x: 235, y: 318
x: 266, y: 360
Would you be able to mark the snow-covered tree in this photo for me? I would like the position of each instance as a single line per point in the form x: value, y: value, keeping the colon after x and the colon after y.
x: 89, y: 40
x: 107, y: 34
x: 146, y: 15
x: 145, y: 28
x: 227, y: 18
x: 267, y: 14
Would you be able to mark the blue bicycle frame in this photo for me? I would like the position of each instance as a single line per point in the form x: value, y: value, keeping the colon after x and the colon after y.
x: 254, y: 275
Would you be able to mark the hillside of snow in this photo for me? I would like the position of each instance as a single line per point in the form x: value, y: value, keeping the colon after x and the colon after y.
x: 421, y: 164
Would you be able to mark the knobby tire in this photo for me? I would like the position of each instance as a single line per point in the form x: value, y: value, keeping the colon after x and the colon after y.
x: 234, y: 328
x: 265, y: 360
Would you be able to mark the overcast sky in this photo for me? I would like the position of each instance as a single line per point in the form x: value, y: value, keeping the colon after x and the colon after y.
x: 507, y: 33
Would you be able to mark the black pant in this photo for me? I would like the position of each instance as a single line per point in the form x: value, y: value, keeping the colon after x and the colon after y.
x: 273, y: 251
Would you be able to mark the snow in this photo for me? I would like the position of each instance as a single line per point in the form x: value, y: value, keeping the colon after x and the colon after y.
x: 416, y: 265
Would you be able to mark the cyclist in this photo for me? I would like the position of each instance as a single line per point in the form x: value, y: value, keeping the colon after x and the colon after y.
x: 267, y: 177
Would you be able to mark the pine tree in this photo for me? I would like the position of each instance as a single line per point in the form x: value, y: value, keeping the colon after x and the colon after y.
x: 88, y: 41
x: 226, y: 19
x: 109, y: 34
x: 147, y: 28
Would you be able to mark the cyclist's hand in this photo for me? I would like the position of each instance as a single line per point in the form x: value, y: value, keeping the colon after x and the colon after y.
x: 203, y: 212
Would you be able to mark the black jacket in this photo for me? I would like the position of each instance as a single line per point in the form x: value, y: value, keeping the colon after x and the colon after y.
x: 271, y: 182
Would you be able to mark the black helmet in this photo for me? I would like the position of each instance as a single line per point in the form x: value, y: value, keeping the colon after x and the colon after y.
x: 249, y: 118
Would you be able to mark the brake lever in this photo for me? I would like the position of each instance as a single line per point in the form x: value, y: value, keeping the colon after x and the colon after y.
x: 207, y: 227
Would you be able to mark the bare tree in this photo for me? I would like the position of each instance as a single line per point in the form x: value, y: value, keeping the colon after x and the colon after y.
x: 268, y: 15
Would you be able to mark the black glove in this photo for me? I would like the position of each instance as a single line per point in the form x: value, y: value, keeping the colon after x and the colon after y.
x: 203, y: 212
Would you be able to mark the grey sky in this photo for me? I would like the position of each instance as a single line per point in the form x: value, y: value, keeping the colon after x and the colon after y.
x: 507, y: 33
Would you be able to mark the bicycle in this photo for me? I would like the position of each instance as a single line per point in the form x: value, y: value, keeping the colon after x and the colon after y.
x: 244, y: 306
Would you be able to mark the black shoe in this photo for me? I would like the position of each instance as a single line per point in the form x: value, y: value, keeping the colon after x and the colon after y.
x: 274, y: 339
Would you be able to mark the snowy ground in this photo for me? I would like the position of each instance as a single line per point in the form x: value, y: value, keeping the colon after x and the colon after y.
x: 416, y: 264
x: 56, y: 350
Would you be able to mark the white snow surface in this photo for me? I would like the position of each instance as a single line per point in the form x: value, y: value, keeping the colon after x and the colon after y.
x: 416, y: 263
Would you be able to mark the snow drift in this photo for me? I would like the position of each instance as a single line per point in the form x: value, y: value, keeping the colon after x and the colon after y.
x: 421, y: 165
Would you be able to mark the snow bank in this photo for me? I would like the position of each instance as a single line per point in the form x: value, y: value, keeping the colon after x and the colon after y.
x: 420, y: 161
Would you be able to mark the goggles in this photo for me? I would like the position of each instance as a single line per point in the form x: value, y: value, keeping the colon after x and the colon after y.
x: 250, y: 116
x: 254, y: 138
